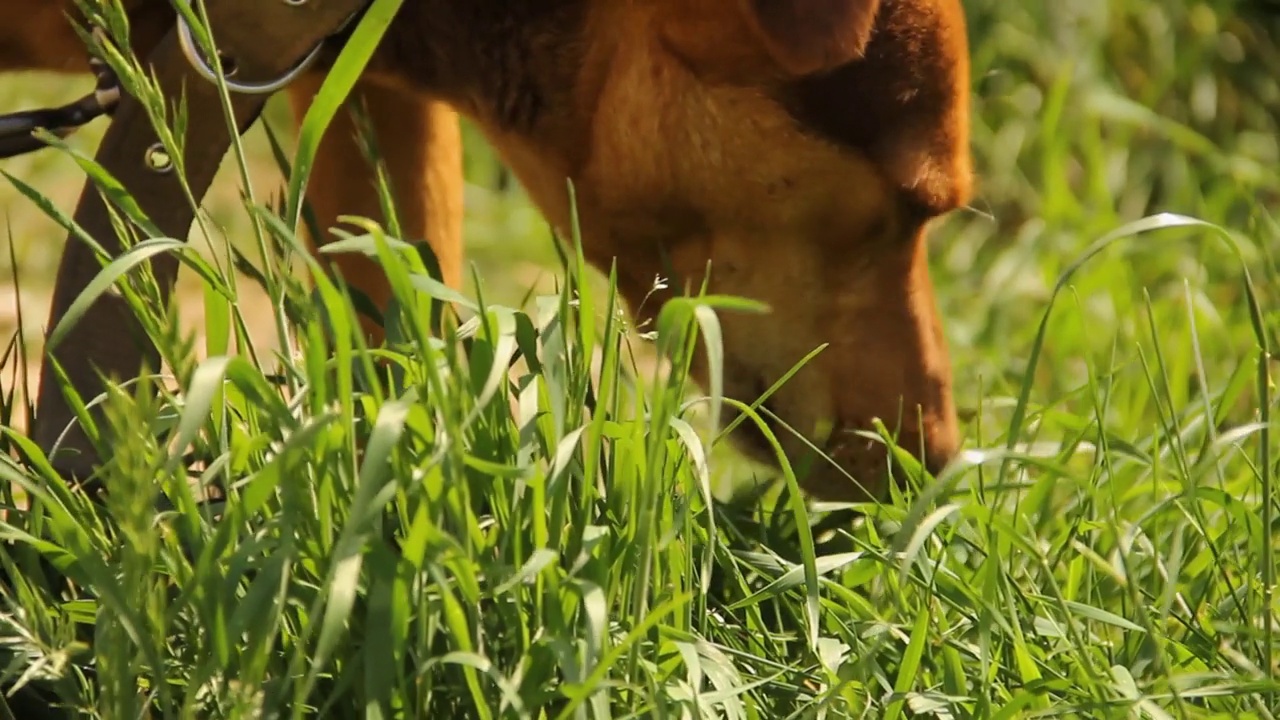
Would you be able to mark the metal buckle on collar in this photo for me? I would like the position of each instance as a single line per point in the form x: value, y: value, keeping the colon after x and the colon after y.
x: 202, y: 68
x: 16, y: 128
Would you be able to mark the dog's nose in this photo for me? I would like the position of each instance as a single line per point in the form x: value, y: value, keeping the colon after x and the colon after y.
x: 937, y: 447
x: 939, y: 450
x: 870, y: 467
x: 936, y: 464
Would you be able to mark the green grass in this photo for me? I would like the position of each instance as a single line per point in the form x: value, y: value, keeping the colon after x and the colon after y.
x: 509, y: 515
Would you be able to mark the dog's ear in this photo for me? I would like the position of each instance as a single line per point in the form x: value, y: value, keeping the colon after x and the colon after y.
x: 808, y: 36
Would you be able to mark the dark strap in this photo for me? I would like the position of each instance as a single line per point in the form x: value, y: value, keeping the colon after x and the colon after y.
x: 265, y: 39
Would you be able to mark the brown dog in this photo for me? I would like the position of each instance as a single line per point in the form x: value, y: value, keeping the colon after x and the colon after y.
x: 800, y: 146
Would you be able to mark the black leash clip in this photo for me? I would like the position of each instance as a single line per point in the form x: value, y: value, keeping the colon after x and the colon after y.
x: 16, y: 128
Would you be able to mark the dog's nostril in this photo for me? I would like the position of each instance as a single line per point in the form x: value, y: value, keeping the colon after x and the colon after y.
x: 769, y: 414
x: 752, y: 437
x: 754, y: 390
x: 758, y: 388
x: 937, y: 455
x: 936, y: 463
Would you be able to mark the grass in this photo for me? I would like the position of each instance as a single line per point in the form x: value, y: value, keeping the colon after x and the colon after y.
x: 509, y: 515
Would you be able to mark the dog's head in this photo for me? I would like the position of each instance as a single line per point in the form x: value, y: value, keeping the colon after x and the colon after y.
x: 800, y: 147
x: 795, y: 148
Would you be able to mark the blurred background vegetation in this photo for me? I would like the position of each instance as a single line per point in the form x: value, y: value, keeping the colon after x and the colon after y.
x: 1086, y: 114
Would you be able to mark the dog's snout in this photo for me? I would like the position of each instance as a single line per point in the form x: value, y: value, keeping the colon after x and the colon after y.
x: 859, y: 468
x: 941, y: 456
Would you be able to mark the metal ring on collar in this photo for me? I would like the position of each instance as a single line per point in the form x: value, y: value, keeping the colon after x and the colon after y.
x: 201, y: 66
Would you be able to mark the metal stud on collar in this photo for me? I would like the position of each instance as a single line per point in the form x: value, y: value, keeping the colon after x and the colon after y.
x: 157, y: 159
x: 201, y: 66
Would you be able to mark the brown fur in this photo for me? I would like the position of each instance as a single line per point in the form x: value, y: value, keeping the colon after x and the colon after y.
x: 800, y: 146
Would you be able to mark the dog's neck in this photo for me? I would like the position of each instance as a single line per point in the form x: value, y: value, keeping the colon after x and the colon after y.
x: 515, y: 64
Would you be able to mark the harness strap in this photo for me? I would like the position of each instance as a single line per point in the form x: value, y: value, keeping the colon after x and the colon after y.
x: 265, y: 39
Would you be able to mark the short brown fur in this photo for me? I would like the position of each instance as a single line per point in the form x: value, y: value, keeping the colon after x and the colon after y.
x: 799, y: 146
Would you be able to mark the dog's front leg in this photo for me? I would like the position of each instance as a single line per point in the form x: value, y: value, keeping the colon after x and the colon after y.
x: 420, y: 142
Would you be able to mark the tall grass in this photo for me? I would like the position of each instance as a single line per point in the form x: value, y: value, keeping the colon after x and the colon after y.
x: 503, y: 514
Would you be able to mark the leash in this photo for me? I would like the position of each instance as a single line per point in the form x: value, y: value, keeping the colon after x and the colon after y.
x: 16, y: 128
x: 268, y: 43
